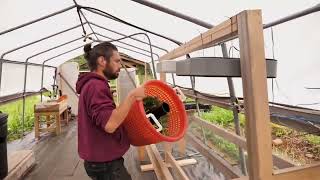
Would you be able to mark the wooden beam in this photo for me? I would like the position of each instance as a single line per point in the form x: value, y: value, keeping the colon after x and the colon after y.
x: 238, y: 140
x: 224, y: 31
x: 161, y: 170
x: 176, y: 168
x: 218, y: 162
x: 19, y: 163
x: 232, y: 137
x: 183, y: 162
x: 253, y: 70
x: 141, y: 153
x: 308, y: 172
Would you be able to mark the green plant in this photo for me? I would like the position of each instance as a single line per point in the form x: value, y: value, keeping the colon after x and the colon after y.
x: 313, y: 139
x: 188, y: 100
x: 280, y: 131
x: 14, y: 111
x: 222, y: 117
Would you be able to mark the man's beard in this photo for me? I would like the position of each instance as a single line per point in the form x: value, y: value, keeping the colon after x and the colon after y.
x: 108, y: 73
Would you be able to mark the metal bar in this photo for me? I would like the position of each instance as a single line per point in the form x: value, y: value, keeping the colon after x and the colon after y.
x: 151, y: 52
x: 128, y: 45
x: 174, y: 13
x: 104, y: 14
x: 37, y: 20
x: 138, y: 40
x: 28, y: 44
x: 69, y: 85
x: 31, y: 43
x: 193, y: 84
x: 173, y: 80
x: 88, y: 23
x: 26, y: 73
x: 127, y: 48
x: 80, y: 12
x: 22, y: 63
x: 305, y: 12
x: 43, y: 63
x: 235, y: 111
x: 199, y: 22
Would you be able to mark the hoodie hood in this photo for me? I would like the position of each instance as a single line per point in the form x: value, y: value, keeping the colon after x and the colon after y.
x: 84, y: 78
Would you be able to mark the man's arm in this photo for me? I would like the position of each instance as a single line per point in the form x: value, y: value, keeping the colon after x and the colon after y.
x: 120, y: 113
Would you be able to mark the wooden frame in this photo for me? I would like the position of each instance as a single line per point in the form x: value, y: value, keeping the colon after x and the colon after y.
x: 161, y: 166
x: 58, y: 110
x: 247, y: 25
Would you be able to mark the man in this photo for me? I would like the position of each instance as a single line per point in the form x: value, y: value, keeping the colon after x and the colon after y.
x: 102, y: 140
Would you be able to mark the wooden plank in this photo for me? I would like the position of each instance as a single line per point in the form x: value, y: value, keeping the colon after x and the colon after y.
x: 253, y: 70
x: 52, y: 129
x: 242, y: 178
x: 232, y: 137
x: 238, y: 140
x: 19, y: 163
x: 183, y: 162
x: 167, y: 148
x: 308, y: 172
x: 162, y: 165
x: 177, y: 169
x: 162, y: 172
x: 36, y: 126
x: 141, y: 153
x: 58, y: 123
x: 223, y: 31
x: 218, y: 162
x: 182, y: 146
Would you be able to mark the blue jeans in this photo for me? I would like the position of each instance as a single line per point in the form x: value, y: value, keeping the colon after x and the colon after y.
x: 113, y: 170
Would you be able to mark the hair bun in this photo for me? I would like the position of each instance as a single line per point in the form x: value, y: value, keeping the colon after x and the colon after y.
x: 87, y: 48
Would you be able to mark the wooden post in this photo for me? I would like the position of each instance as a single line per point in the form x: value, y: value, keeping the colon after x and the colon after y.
x: 36, y: 126
x: 48, y: 120
x: 58, y: 123
x: 141, y: 153
x: 253, y: 71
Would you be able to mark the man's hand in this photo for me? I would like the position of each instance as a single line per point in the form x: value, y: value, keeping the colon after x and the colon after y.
x: 180, y: 94
x: 138, y: 93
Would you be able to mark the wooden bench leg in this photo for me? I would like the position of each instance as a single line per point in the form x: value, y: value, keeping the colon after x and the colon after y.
x: 67, y: 116
x: 58, y: 124
x: 48, y: 120
x: 142, y: 153
x: 167, y: 149
x: 36, y: 126
x: 182, y: 146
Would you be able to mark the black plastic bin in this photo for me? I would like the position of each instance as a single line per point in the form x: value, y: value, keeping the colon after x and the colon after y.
x: 3, y: 145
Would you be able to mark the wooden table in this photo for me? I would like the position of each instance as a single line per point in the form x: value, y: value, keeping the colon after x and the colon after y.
x: 56, y: 109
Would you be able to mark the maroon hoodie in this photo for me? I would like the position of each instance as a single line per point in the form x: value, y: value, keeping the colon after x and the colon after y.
x: 95, y: 107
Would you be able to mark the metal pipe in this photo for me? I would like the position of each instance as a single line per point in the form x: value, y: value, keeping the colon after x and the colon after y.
x: 129, y: 45
x: 104, y: 14
x: 85, y: 18
x: 37, y: 20
x: 193, y: 85
x: 151, y: 52
x: 173, y: 80
x: 235, y: 111
x: 26, y: 73
x: 174, y: 13
x: 22, y: 63
x: 296, y: 15
x: 138, y: 40
x: 43, y: 63
x: 29, y: 44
